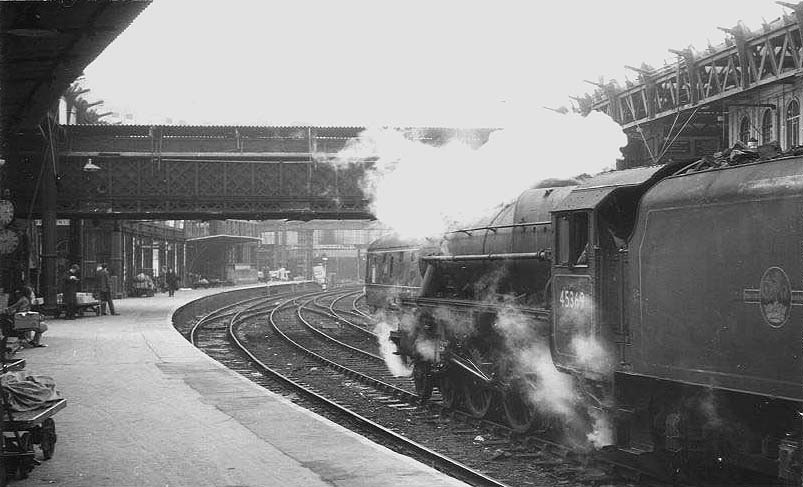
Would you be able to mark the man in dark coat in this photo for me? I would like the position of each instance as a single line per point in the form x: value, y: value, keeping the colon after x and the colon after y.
x: 72, y: 283
x: 171, y: 279
x: 104, y: 290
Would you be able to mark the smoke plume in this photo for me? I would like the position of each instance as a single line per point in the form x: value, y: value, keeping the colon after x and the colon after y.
x: 421, y: 190
x: 602, y: 431
x: 591, y: 354
x: 387, y: 348
x: 551, y: 391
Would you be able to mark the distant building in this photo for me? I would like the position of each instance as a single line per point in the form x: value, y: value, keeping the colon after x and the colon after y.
x: 297, y: 249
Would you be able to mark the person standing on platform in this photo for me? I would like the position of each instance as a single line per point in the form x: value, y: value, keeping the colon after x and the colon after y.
x: 171, y: 279
x: 72, y: 282
x: 104, y: 290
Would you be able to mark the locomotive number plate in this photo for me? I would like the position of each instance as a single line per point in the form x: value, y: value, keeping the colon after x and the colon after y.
x: 572, y: 298
x: 573, y: 307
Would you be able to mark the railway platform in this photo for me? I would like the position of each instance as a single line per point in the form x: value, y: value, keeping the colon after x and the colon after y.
x: 145, y: 408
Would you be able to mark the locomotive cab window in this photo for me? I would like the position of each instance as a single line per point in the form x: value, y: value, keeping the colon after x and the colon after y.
x: 572, y: 239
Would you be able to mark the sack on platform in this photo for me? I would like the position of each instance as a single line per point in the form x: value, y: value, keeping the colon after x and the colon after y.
x: 27, y: 392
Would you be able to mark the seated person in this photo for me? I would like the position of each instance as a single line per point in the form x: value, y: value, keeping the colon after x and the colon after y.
x: 23, y: 298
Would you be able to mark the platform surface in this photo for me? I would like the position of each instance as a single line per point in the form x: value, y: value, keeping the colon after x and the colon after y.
x: 145, y: 408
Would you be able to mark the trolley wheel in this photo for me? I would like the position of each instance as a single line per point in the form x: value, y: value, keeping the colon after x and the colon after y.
x: 25, y: 463
x: 450, y: 390
x: 48, y: 443
x: 422, y: 377
x: 477, y: 398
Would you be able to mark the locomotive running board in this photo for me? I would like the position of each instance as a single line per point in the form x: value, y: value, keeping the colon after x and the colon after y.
x: 540, y: 314
x: 469, y: 257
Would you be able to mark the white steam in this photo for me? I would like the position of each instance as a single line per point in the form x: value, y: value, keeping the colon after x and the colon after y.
x: 591, y: 354
x: 602, y: 431
x: 422, y: 190
x: 387, y: 348
x: 426, y: 348
x: 550, y: 391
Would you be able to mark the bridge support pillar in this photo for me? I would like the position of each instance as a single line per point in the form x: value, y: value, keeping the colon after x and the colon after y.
x: 76, y: 248
x: 116, y: 260
x: 48, y: 195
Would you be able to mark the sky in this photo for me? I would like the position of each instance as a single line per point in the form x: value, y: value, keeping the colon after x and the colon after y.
x: 372, y: 63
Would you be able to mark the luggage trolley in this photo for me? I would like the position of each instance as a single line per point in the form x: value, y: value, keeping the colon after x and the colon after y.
x: 21, y: 430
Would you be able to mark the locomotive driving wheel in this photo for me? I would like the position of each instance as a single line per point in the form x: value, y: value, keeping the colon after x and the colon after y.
x: 477, y: 393
x: 422, y: 377
x: 477, y: 398
x: 450, y: 390
x: 519, y: 411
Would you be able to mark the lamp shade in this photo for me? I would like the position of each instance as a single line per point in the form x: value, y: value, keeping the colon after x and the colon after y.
x: 90, y: 166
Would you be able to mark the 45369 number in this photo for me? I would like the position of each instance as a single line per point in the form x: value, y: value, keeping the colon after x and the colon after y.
x: 569, y: 298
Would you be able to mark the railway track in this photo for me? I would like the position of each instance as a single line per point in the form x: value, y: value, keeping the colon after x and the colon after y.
x: 309, y: 348
x: 219, y: 335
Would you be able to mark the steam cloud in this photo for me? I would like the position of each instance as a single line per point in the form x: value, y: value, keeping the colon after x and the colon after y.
x: 388, y: 350
x: 551, y: 392
x: 602, y: 431
x: 554, y: 393
x: 420, y: 190
x: 591, y: 354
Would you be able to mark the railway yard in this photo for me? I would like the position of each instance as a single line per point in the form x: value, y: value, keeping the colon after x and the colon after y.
x: 317, y: 349
x: 446, y: 285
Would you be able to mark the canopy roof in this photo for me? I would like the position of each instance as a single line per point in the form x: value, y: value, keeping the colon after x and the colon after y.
x: 45, y: 46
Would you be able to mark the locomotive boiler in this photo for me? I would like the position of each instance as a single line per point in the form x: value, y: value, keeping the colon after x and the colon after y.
x: 669, y: 297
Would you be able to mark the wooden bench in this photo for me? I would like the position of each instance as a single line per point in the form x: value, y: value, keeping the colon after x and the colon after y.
x: 54, y: 311
x: 10, y: 347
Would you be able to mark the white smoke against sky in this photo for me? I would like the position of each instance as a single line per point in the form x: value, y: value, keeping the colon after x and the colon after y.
x: 420, y: 190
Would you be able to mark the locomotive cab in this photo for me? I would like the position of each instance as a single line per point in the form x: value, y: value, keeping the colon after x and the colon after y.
x: 573, y: 285
x: 592, y: 224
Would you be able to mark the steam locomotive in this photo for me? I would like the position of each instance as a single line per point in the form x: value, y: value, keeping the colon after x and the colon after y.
x: 669, y: 298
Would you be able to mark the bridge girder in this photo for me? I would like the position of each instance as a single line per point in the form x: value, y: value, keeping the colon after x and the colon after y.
x: 748, y: 62
x: 200, y: 173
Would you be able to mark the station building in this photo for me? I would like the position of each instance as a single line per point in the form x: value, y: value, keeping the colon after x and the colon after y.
x: 206, y: 253
x: 335, y: 248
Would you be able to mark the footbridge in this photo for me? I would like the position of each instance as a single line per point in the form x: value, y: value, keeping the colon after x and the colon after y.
x: 201, y: 172
x: 181, y: 172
